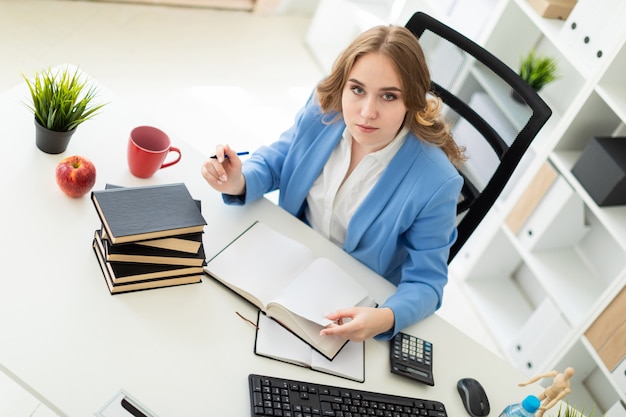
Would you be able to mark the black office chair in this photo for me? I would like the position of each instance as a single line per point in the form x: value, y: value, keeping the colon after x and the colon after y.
x: 475, y: 115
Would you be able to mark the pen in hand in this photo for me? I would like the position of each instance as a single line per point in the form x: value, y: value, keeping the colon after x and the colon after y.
x: 226, y: 156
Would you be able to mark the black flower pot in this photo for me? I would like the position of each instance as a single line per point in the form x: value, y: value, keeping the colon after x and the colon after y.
x: 51, y: 141
x: 515, y: 95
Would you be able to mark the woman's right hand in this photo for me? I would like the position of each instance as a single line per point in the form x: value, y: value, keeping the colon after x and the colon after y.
x: 223, y: 173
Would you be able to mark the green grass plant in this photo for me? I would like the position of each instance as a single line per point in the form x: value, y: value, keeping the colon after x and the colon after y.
x: 538, y: 70
x: 565, y: 410
x: 62, y: 99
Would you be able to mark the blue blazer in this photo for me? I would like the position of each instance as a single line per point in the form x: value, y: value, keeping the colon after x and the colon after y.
x: 404, y: 228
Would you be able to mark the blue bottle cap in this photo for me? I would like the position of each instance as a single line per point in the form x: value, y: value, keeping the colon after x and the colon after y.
x: 531, y: 403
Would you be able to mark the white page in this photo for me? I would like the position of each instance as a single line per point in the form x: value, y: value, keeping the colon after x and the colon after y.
x: 349, y: 362
x: 274, y: 341
x: 262, y: 261
x: 320, y: 289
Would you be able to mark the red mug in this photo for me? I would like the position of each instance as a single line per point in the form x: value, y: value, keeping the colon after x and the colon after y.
x: 148, y: 148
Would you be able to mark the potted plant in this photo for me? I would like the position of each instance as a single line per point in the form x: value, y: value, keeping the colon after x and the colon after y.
x: 537, y: 71
x: 62, y: 99
x: 565, y: 410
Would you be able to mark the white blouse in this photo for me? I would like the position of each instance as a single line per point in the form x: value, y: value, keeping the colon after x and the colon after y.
x: 331, y: 205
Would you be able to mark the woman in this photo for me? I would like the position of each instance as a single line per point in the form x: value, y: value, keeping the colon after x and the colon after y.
x: 369, y: 164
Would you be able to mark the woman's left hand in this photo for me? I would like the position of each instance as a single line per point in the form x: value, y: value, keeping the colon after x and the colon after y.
x: 359, y: 323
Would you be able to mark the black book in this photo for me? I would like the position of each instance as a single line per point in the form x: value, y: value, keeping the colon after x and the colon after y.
x: 190, y: 243
x: 146, y: 254
x: 124, y: 272
x: 130, y: 214
x: 185, y: 243
x: 118, y: 288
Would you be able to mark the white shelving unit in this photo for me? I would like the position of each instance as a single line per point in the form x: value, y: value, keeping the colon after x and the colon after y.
x: 538, y: 287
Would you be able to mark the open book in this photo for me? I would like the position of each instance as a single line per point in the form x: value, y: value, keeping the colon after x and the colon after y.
x: 276, y: 342
x: 283, y: 278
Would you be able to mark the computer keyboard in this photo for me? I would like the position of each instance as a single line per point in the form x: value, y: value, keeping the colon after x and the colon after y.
x: 272, y: 396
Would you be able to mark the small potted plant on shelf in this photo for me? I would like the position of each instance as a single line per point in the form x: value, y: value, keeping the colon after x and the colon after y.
x: 537, y: 71
x: 62, y: 99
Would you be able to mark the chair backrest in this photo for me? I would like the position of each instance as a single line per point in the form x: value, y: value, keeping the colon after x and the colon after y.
x: 495, y: 141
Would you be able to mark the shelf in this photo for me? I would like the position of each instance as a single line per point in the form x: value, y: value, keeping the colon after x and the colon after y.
x: 570, y: 88
x: 611, y: 85
x: 600, y: 365
x: 493, y: 289
x: 576, y: 276
x: 541, y: 35
x: 568, y: 280
x: 593, y: 118
x: 569, y: 250
x: 614, y: 100
x: 613, y: 218
x: 499, y: 300
x: 510, y: 48
x: 590, y: 384
x: 548, y: 26
x: 592, y: 33
x: 557, y: 221
x: 545, y: 331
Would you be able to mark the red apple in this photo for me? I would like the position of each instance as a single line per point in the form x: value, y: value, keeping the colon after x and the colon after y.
x: 76, y: 175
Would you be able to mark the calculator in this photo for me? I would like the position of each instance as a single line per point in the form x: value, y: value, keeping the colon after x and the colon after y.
x: 412, y: 357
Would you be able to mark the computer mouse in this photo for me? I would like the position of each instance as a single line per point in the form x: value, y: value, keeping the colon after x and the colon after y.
x: 474, y: 397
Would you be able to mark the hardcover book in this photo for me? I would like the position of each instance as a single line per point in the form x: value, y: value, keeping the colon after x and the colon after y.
x: 184, y: 243
x: 284, y: 279
x: 119, y: 288
x: 129, y: 214
x: 129, y: 252
x: 124, y: 272
x: 189, y: 243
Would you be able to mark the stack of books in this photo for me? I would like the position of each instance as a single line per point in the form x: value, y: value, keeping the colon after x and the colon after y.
x: 150, y: 237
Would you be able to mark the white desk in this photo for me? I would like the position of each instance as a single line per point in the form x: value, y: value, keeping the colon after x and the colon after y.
x: 181, y: 351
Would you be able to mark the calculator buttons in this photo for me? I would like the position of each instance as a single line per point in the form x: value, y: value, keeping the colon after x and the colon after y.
x: 412, y: 357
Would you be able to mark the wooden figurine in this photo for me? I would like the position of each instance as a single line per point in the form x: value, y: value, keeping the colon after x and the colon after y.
x: 554, y: 393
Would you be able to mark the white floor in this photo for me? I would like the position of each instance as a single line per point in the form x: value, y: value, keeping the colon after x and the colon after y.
x: 208, y: 76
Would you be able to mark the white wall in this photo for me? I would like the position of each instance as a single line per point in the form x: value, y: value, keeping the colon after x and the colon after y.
x: 294, y: 7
